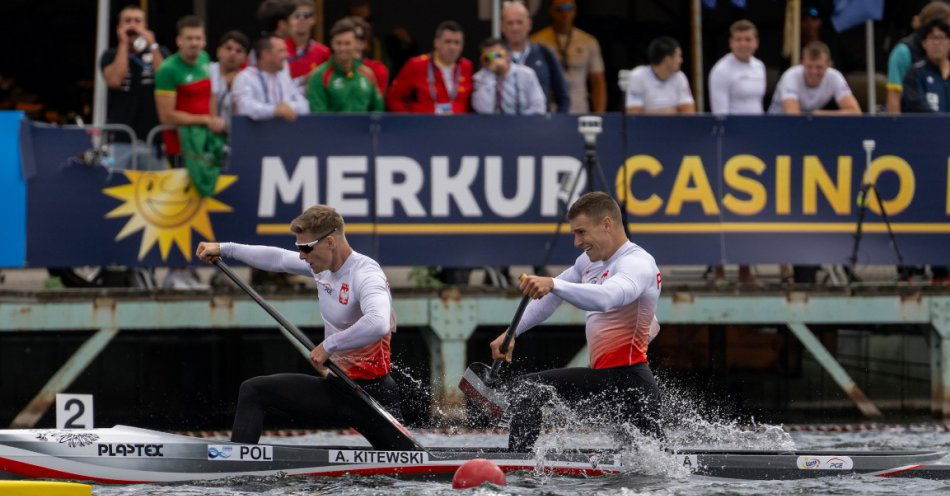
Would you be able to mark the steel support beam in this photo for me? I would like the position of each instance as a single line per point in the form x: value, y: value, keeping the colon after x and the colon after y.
x: 451, y: 322
x: 837, y: 372
x: 65, y: 376
x: 940, y: 359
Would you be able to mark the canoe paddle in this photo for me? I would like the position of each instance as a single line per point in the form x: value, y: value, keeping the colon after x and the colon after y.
x: 398, y: 436
x: 479, y: 382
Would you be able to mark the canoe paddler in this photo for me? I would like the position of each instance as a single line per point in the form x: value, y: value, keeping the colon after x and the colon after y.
x: 618, y: 284
x: 359, y: 320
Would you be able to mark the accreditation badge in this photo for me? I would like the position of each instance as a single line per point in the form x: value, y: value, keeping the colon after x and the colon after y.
x: 443, y: 109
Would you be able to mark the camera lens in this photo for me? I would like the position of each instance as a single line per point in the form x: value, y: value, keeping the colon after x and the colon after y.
x: 140, y: 44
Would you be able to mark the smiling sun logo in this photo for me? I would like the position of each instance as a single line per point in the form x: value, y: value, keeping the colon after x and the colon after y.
x: 166, y: 205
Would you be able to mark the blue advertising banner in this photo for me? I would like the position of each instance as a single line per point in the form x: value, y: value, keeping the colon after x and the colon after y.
x: 13, y: 199
x: 488, y: 190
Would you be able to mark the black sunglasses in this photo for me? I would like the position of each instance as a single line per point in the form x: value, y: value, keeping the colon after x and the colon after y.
x: 308, y: 247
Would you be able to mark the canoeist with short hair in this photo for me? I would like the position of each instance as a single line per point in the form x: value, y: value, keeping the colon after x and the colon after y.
x: 359, y: 320
x: 618, y: 284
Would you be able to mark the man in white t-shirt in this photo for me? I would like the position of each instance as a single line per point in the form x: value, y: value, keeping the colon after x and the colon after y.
x: 808, y: 87
x: 660, y: 88
x: 358, y: 320
x: 737, y: 81
x: 737, y: 86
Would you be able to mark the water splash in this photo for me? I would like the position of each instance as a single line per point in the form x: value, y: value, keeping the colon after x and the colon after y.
x: 686, y: 421
x: 691, y: 422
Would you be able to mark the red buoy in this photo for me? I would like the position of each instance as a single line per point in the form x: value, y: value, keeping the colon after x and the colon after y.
x: 477, y: 472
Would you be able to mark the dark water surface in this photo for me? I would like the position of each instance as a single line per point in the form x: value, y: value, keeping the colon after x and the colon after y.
x: 653, y: 472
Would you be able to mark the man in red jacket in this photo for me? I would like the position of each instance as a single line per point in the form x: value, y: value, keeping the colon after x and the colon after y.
x: 436, y: 83
x: 305, y: 53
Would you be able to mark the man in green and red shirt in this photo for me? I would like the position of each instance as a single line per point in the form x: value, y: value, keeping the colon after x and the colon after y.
x: 343, y: 83
x: 183, y: 85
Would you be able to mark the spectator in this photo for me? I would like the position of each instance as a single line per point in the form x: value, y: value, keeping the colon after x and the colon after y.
x: 503, y: 87
x: 660, y: 88
x: 579, y: 55
x: 909, y: 51
x: 436, y: 83
x: 232, y: 55
x: 362, y: 38
x: 926, y: 89
x: 737, y: 86
x: 183, y: 85
x: 811, y: 25
x: 275, y: 16
x: 343, y: 83
x: 129, y: 71
x: 306, y: 54
x: 183, y: 99
x: 926, y: 83
x: 737, y: 81
x: 266, y: 91
x: 813, y: 84
x: 515, y: 26
x: 807, y: 88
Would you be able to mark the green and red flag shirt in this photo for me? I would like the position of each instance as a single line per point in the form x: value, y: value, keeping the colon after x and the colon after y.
x: 332, y: 89
x: 191, y: 86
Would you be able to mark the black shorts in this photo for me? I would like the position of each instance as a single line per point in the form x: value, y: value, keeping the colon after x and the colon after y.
x: 324, y: 403
x: 620, y: 394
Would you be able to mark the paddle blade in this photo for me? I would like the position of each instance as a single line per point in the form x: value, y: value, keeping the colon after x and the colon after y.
x: 481, y: 391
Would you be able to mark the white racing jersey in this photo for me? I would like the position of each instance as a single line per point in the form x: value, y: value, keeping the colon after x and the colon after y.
x: 355, y: 304
x: 620, y: 296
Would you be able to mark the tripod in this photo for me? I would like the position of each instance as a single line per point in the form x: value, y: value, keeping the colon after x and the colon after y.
x: 589, y: 126
x: 864, y: 195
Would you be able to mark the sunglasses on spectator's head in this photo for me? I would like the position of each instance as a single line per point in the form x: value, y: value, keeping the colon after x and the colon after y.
x: 564, y: 7
x: 488, y: 57
x: 302, y: 15
x: 308, y: 247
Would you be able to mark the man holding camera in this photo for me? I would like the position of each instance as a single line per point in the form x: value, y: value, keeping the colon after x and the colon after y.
x: 503, y: 87
x: 129, y: 70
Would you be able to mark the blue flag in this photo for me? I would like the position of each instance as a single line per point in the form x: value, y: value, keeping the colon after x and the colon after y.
x: 850, y: 13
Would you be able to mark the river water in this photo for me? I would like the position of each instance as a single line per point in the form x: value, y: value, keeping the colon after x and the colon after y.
x: 688, y: 423
x: 653, y: 473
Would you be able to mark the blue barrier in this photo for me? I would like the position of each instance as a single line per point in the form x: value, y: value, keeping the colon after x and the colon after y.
x: 476, y: 190
x: 13, y: 199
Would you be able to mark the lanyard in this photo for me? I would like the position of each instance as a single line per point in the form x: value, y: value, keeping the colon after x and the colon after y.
x: 563, y: 49
x: 456, y: 74
x: 300, y: 52
x: 280, y: 95
x: 500, y: 94
x: 524, y: 55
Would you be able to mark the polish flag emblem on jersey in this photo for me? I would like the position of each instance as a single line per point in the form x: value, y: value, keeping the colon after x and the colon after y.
x: 344, y: 294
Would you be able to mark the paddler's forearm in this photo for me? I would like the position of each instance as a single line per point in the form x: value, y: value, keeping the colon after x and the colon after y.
x: 267, y: 258
x: 616, y: 291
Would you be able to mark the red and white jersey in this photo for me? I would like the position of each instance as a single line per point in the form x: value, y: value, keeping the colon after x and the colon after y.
x: 620, y: 296
x: 355, y: 304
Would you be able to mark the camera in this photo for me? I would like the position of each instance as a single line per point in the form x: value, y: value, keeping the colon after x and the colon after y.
x: 140, y: 44
x: 590, y: 126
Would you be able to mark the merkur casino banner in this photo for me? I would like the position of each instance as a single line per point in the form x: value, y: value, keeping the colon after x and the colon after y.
x: 487, y: 190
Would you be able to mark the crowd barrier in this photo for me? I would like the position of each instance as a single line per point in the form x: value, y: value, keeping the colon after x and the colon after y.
x: 487, y: 190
